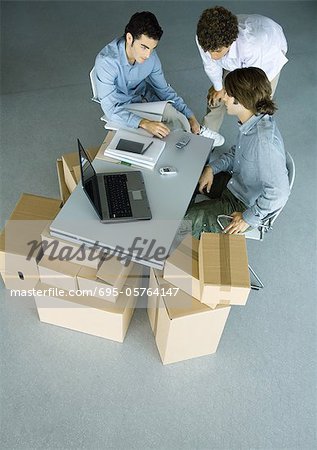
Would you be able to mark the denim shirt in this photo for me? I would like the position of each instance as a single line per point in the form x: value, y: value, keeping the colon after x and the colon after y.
x: 118, y: 82
x: 258, y: 166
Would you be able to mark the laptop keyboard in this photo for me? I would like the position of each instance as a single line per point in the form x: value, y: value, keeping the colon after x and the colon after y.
x: 118, y: 196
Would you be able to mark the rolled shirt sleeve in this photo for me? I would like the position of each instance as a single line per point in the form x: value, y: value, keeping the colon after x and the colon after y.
x: 224, y: 163
x: 164, y: 91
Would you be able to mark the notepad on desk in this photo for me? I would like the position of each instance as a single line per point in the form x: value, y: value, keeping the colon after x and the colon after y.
x: 135, y: 149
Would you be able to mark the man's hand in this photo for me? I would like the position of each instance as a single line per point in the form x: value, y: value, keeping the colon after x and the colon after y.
x: 158, y: 129
x: 237, y: 225
x: 194, y: 125
x: 214, y: 98
x: 206, y: 179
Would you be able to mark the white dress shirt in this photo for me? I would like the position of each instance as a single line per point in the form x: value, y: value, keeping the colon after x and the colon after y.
x: 260, y: 43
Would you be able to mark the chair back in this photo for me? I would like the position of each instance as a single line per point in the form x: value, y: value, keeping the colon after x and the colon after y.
x: 92, y: 76
x: 290, y: 165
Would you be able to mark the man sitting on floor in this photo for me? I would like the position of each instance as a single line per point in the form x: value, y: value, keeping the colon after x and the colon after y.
x: 251, y: 180
x: 128, y: 70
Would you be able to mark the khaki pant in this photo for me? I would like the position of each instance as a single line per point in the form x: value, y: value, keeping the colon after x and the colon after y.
x: 214, y: 118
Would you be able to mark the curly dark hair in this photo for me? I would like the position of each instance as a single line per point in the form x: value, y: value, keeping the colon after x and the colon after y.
x: 146, y: 23
x: 252, y: 89
x: 217, y: 28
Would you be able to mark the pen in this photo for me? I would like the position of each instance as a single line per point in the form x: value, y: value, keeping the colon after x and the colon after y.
x: 148, y: 146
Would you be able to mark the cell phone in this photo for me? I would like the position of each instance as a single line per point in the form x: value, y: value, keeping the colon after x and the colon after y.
x: 183, y: 142
x: 167, y: 170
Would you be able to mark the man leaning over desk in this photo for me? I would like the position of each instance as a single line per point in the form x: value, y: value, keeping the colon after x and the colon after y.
x: 128, y: 70
x: 251, y: 180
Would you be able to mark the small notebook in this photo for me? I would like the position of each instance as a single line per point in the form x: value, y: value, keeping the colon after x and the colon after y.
x: 131, y: 146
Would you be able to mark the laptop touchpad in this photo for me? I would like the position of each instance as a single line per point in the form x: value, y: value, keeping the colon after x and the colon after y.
x: 137, y: 195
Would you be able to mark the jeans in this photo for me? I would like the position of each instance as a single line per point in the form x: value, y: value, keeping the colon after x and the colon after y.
x: 203, y: 215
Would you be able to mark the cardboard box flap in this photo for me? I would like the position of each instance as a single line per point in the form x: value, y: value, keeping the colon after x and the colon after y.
x: 94, y: 302
x: 72, y: 159
x: 63, y: 189
x: 224, y: 261
x: 66, y: 268
x: 112, y: 270
x: 178, y: 303
x: 26, y: 223
x: 90, y: 273
x: 77, y: 174
x: 185, y: 256
x: 35, y: 207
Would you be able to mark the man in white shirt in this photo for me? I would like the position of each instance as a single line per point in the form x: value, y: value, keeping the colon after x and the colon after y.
x: 227, y: 42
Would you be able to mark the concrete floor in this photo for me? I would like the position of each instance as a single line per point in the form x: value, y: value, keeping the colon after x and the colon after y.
x: 65, y: 390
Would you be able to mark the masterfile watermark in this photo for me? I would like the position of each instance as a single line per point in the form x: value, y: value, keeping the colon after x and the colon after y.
x: 140, y: 249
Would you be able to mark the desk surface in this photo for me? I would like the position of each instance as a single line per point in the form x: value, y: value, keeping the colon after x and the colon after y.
x: 168, y: 196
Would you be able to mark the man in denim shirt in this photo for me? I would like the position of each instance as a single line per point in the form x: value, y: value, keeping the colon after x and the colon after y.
x: 251, y: 180
x: 128, y: 70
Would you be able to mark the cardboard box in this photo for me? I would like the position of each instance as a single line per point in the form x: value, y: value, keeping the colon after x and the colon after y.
x: 62, y: 274
x: 89, y: 315
x: 88, y: 278
x: 30, y: 215
x: 76, y: 253
x: 223, y: 269
x: 63, y: 189
x: 104, y: 145
x: 70, y: 161
x: 184, y: 328
x: 181, y: 267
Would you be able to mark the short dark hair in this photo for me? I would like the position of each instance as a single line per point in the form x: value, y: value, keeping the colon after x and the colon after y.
x: 217, y: 28
x: 252, y: 89
x: 146, y: 23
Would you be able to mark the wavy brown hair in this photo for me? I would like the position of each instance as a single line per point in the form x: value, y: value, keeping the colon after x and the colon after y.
x: 252, y: 89
x: 217, y: 28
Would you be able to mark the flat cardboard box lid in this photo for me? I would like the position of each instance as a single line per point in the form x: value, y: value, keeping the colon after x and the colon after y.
x: 223, y: 260
x: 181, y: 304
x: 185, y: 256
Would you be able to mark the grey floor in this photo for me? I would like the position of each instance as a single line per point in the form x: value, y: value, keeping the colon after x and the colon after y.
x: 65, y: 390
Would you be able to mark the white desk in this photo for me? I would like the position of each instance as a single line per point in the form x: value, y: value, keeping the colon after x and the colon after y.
x: 168, y: 196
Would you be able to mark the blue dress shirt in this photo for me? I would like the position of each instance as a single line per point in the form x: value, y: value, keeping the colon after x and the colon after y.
x: 118, y: 83
x: 258, y: 166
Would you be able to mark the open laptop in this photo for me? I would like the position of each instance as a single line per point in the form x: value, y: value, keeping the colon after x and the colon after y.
x: 116, y: 196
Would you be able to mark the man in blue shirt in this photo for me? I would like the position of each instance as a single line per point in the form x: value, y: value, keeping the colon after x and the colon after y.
x: 251, y: 180
x: 128, y: 70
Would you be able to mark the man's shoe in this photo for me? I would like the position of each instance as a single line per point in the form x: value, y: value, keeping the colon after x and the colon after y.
x: 208, y: 133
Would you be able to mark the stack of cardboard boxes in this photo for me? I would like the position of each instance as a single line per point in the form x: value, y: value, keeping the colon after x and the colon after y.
x: 92, y: 295
x: 211, y: 275
x: 188, y: 303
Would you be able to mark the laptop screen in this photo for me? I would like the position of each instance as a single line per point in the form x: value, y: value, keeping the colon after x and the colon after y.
x: 89, y: 179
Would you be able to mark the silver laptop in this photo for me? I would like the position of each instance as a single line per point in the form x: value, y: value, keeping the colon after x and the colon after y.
x: 116, y: 196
